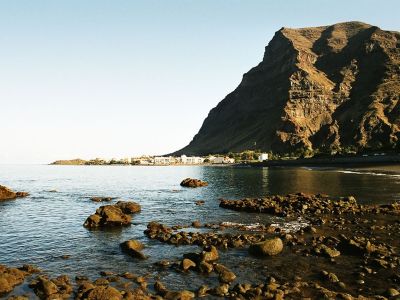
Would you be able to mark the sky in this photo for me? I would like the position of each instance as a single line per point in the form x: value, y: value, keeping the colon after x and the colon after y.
x: 95, y: 78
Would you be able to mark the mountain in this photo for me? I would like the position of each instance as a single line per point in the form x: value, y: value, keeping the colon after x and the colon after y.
x: 326, y: 88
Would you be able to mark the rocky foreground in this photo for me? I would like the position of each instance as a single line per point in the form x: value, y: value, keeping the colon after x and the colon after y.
x: 347, y: 251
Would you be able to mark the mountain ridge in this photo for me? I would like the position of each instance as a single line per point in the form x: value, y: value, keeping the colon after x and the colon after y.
x: 319, y: 88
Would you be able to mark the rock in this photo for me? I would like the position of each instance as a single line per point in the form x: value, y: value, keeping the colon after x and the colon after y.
x: 196, y: 224
x: 160, y: 288
x: 101, y: 199
x: 221, y: 290
x: 209, y: 253
x: 133, y: 248
x: 8, y: 194
x: 186, y: 264
x: 330, y: 276
x: 181, y: 295
x: 129, y: 207
x: 392, y: 292
x: 163, y: 263
x: 58, y: 288
x: 205, y: 267
x: 328, y: 251
x: 202, y: 291
x: 199, y: 202
x: 267, y: 248
x: 9, y: 278
x: 193, y: 183
x: 108, y: 215
x: 101, y: 293
x: 225, y: 275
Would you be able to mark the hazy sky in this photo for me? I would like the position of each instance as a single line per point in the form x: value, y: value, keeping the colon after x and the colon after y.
x: 93, y: 78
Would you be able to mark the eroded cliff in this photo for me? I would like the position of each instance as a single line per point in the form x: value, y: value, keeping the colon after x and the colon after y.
x: 323, y: 88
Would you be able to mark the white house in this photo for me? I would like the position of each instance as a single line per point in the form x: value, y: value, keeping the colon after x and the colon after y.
x: 263, y: 156
x: 191, y: 160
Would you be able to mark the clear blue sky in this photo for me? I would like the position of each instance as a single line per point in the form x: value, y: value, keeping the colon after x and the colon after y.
x: 116, y: 78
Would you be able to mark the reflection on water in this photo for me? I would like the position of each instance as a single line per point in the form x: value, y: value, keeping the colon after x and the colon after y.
x: 40, y: 229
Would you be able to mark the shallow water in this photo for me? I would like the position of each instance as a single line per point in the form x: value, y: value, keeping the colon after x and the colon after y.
x: 43, y: 227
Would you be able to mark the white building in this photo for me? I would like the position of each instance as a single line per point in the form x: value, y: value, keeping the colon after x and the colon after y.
x: 191, y: 160
x: 263, y: 156
x: 221, y: 160
x: 162, y: 160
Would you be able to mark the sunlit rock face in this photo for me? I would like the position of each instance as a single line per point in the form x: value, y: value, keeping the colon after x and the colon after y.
x: 324, y: 88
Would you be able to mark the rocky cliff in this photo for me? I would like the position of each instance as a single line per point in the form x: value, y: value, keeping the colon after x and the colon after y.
x: 324, y: 88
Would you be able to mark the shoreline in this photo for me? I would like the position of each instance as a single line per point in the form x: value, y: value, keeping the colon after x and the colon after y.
x: 332, y: 161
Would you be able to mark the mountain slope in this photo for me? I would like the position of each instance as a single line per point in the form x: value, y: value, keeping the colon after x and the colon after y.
x: 322, y: 88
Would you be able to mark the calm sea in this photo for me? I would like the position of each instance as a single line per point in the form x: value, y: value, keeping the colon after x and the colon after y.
x: 47, y: 225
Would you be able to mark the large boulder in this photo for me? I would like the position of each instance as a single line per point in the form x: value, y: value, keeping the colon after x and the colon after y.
x: 193, y: 183
x: 267, y: 248
x: 8, y: 194
x: 108, y: 215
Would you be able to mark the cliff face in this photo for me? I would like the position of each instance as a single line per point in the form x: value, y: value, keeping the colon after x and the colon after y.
x: 319, y: 88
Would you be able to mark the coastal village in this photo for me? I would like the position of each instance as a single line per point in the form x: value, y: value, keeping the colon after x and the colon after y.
x: 148, y: 160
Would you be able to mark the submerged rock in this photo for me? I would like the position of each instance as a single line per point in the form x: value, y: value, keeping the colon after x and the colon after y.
x: 101, y: 199
x: 133, y: 248
x: 267, y: 248
x: 193, y: 183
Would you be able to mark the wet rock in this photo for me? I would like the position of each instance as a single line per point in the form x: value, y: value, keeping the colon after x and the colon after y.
x: 392, y: 292
x: 202, y: 291
x: 101, y: 281
x: 9, y: 278
x: 327, y: 251
x: 269, y: 247
x: 101, y: 199
x: 193, y: 183
x: 186, y: 264
x: 108, y: 215
x: 18, y: 298
x: 128, y: 275
x: 196, y: 224
x: 80, y: 278
x: 330, y: 276
x: 129, y: 207
x: 200, y: 202
x: 205, y: 267
x: 224, y: 274
x: 101, y: 292
x: 133, y: 248
x: 180, y: 295
x: 163, y: 263
x: 221, y: 290
x: 8, y: 194
x: 107, y: 273
x: 57, y: 288
x: 209, y: 253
